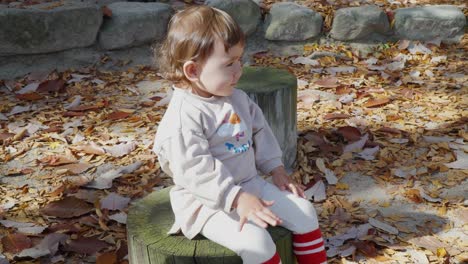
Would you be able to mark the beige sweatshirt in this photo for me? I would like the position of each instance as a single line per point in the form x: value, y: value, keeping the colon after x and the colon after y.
x: 212, y: 147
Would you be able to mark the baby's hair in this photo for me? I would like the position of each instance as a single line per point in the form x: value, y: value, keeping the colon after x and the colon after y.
x: 191, y: 35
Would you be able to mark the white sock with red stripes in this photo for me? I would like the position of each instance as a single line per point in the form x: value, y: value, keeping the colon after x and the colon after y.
x: 274, y: 260
x: 309, y: 248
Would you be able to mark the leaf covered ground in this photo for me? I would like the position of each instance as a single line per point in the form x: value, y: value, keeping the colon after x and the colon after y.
x: 381, y: 146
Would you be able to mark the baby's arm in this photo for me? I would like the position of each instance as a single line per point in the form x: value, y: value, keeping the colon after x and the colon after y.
x: 195, y: 169
x: 267, y: 150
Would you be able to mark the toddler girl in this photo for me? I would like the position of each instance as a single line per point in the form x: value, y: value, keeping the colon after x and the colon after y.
x: 213, y: 138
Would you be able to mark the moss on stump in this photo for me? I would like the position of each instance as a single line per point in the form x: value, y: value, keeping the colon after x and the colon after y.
x: 150, y: 218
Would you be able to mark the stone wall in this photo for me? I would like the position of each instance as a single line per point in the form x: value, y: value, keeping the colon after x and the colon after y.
x: 78, y: 33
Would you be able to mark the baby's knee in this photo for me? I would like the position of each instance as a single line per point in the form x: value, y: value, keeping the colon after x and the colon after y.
x: 259, y: 249
x: 309, y: 222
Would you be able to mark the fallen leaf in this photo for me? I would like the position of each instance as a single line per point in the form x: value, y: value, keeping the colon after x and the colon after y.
x: 75, y: 168
x: 118, y: 115
x: 376, y: 102
x: 107, y: 258
x: 356, y: 146
x: 120, y: 150
x: 383, y: 226
x: 114, y: 201
x: 48, y: 246
x: 104, y: 180
x: 330, y: 82
x: 461, y: 162
x: 414, y: 195
x: 57, y: 85
x: 329, y: 174
x: 68, y: 207
x: 367, y: 248
x: 120, y: 217
x: 350, y: 133
x: 29, y: 96
x: 55, y: 160
x: 91, y: 148
x: 317, y: 192
x: 85, y: 245
x: 14, y: 243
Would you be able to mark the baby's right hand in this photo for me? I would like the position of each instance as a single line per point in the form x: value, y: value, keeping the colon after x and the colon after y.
x: 250, y: 207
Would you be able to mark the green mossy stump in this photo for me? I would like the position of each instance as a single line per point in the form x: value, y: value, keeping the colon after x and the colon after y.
x: 149, y: 219
x: 275, y: 91
x: 148, y: 222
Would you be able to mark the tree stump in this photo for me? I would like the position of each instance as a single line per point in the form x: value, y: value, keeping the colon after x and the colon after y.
x: 275, y: 91
x: 150, y: 218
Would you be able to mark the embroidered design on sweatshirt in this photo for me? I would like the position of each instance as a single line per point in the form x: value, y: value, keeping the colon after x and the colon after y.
x: 232, y: 126
x: 240, y: 149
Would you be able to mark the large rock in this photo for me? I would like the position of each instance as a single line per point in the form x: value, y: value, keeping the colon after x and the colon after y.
x: 290, y: 21
x: 134, y: 24
x: 431, y: 22
x: 359, y: 23
x: 245, y: 12
x: 35, y: 30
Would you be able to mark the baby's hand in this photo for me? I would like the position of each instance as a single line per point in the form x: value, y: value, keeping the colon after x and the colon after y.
x: 250, y: 207
x: 283, y: 182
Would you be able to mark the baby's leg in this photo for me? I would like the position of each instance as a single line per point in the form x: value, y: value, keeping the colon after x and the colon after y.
x: 253, y: 244
x: 299, y: 216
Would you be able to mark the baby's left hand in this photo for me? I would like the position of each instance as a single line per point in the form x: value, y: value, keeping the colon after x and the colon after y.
x: 283, y: 182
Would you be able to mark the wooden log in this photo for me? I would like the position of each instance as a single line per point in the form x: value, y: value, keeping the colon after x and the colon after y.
x: 275, y: 91
x: 150, y: 218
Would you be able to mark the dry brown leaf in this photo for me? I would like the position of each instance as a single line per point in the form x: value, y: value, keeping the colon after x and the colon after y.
x: 91, y: 148
x: 414, y: 195
x: 350, y: 133
x: 85, y: 245
x: 55, y: 160
x: 14, y: 243
x: 72, y: 114
x: 330, y: 82
x: 377, y: 102
x: 367, y: 248
x: 57, y: 85
x: 76, y: 168
x: 118, y: 115
x: 29, y: 96
x: 67, y: 208
x: 107, y: 258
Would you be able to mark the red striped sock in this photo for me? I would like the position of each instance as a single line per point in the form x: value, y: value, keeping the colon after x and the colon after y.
x: 274, y: 260
x: 309, y: 248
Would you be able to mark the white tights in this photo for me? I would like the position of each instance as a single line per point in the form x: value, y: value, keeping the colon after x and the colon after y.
x: 254, y: 244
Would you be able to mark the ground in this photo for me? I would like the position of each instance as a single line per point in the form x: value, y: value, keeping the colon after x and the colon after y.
x: 381, y: 146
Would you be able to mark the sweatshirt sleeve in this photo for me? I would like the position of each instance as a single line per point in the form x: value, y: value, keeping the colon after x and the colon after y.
x: 194, y: 168
x: 267, y: 150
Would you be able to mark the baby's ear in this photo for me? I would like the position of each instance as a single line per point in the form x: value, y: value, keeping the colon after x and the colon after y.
x: 190, y: 71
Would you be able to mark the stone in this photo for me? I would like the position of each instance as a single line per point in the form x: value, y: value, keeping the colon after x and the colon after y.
x: 34, y: 30
x: 430, y: 22
x: 133, y: 24
x: 293, y: 22
x: 245, y: 12
x: 359, y: 23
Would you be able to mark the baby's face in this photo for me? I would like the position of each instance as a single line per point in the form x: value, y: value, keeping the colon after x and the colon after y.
x: 221, y: 70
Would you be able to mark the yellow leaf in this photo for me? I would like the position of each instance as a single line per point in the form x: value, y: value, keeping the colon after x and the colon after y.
x: 54, y: 145
x: 342, y: 186
x: 441, y: 252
